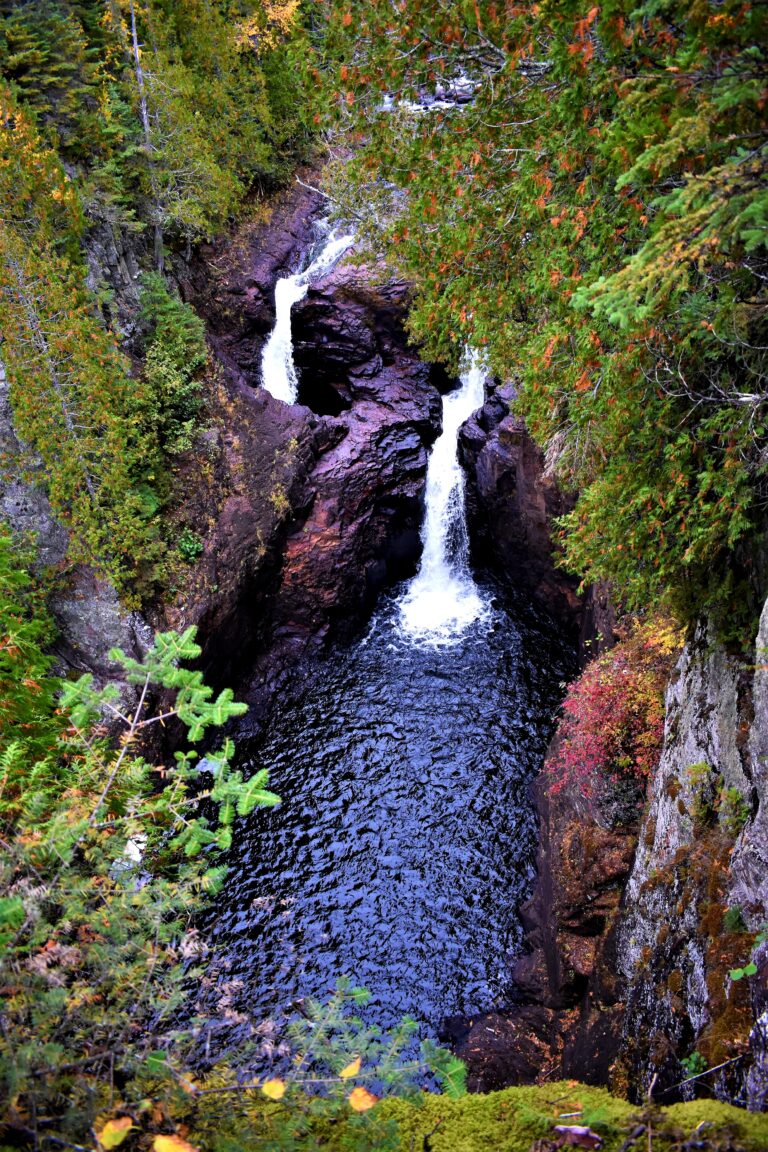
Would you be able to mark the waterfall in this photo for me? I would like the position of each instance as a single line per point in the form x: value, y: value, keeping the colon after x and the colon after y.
x: 442, y: 600
x: 278, y: 372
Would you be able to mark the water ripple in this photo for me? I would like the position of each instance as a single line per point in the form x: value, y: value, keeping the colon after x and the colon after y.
x: 404, y: 843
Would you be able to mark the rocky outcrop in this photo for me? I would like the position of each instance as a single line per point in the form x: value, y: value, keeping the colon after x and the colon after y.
x: 305, y: 511
x: 512, y: 501
x: 232, y: 282
x: 698, y: 888
x: 569, y: 1011
x: 368, y: 482
x: 631, y: 932
x: 261, y: 455
x: 114, y: 257
x: 324, y: 497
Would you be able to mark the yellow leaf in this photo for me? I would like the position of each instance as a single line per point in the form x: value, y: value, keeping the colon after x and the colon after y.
x: 114, y: 1132
x: 351, y: 1069
x: 360, y: 1099
x: 172, y: 1144
x: 274, y: 1089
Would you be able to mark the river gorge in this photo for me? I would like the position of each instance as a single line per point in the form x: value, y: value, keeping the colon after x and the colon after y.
x: 404, y: 844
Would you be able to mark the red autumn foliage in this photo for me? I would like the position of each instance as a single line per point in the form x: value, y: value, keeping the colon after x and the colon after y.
x: 612, y: 726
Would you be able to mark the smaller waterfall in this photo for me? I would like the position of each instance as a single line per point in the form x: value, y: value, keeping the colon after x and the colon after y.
x: 442, y: 600
x: 278, y: 372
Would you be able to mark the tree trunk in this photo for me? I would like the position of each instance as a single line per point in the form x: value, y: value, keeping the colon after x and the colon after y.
x: 144, y: 114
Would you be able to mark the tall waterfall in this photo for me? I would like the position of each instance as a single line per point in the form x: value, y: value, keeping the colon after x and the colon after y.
x: 442, y: 600
x: 278, y: 372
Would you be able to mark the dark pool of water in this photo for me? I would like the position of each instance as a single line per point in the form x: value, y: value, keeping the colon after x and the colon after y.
x: 405, y: 840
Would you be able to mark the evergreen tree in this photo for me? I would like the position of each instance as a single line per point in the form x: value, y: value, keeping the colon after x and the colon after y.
x: 595, y: 218
x: 73, y: 401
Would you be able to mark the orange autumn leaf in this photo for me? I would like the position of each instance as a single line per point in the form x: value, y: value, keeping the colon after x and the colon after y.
x: 172, y: 1144
x: 360, y: 1099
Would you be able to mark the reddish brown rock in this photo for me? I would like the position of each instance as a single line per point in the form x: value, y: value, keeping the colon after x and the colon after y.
x: 512, y: 502
x: 310, y: 509
x: 232, y: 281
x: 571, y: 1010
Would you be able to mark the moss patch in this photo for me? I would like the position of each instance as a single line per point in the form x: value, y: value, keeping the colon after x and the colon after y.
x: 510, y: 1121
x: 750, y: 1128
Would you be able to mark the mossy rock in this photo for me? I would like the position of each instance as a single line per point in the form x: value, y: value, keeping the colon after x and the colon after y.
x: 512, y: 1120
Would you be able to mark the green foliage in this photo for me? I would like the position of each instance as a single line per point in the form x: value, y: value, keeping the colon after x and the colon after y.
x: 515, y: 1119
x: 26, y: 690
x: 750, y: 968
x: 326, y: 1037
x: 701, y: 780
x: 337, y: 1070
x: 101, y: 874
x: 733, y: 920
x: 172, y: 322
x: 156, y: 119
x: 190, y: 545
x: 171, y: 111
x: 733, y: 811
x: 694, y: 1064
x: 594, y: 218
x: 44, y: 53
x: 74, y: 405
x: 176, y: 355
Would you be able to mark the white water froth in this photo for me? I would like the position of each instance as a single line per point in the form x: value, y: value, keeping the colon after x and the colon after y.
x: 278, y: 371
x: 442, y: 600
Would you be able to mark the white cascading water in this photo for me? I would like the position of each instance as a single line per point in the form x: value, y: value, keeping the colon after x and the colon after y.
x: 442, y: 600
x: 278, y: 371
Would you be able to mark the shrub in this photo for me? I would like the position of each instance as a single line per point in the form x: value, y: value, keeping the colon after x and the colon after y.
x: 176, y: 353
x: 703, y: 782
x: 733, y: 920
x: 612, y: 726
x: 694, y: 1064
x: 190, y: 545
x: 101, y: 873
x: 105, y: 861
x: 733, y: 811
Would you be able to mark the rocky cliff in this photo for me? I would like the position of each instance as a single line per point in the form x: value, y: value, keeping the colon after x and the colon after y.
x: 512, y: 501
x: 316, y: 506
x: 304, y: 511
x: 698, y: 890
x: 632, y: 929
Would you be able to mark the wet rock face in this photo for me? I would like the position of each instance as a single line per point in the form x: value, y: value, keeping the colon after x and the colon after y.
x: 512, y: 502
x: 357, y: 531
x: 262, y: 455
x: 570, y: 932
x: 232, y: 282
x: 326, y: 495
x: 695, y: 866
x: 503, y: 1048
x: 632, y: 931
